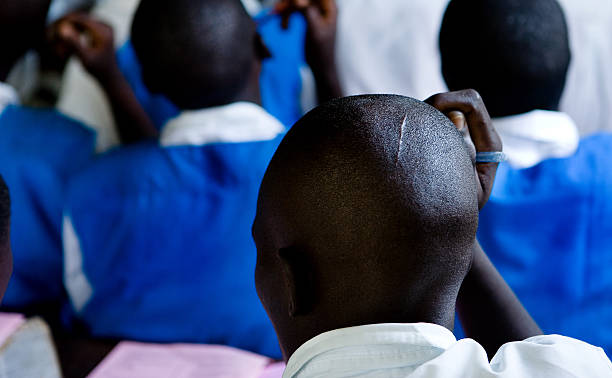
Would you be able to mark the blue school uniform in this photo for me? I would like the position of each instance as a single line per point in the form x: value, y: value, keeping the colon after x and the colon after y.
x: 157, y: 237
x: 280, y: 78
x: 548, y: 229
x: 39, y: 150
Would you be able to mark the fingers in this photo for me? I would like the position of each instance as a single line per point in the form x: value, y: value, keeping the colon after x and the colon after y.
x: 82, y: 31
x: 479, y: 122
x: 458, y: 119
x: 467, y: 107
x: 315, y: 11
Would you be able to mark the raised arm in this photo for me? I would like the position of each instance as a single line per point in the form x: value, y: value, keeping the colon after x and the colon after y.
x: 92, y: 42
x: 488, y: 309
x: 321, y: 17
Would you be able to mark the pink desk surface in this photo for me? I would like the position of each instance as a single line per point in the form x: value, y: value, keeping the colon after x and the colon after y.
x: 9, y: 324
x: 138, y: 360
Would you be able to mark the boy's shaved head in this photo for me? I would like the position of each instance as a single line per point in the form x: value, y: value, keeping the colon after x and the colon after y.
x: 514, y: 52
x: 198, y: 53
x: 366, y: 215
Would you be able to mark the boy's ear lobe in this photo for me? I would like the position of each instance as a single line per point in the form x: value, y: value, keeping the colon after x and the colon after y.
x: 261, y: 49
x: 298, y: 278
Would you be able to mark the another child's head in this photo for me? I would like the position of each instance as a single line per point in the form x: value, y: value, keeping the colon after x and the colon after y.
x: 198, y: 53
x: 22, y: 25
x: 367, y: 214
x: 514, y: 52
x: 6, y: 259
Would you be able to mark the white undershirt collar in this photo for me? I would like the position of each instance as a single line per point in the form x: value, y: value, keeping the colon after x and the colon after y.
x: 8, y: 96
x: 239, y: 122
x: 360, y: 349
x: 536, y: 136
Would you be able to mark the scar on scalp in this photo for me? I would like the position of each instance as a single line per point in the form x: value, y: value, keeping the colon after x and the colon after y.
x: 401, y: 139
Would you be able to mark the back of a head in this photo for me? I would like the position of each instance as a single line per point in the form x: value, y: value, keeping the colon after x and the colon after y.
x: 199, y: 53
x: 22, y: 24
x: 515, y: 53
x: 376, y: 197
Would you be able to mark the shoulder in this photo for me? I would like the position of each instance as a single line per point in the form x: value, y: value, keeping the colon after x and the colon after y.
x: 596, y: 143
x: 118, y: 170
x: 553, y: 355
x: 47, y: 136
x: 44, y: 120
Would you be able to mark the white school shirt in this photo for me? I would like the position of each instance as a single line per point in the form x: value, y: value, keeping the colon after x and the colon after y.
x: 8, y: 96
x: 533, y: 137
x: 391, y: 46
x: 428, y: 350
x: 588, y: 90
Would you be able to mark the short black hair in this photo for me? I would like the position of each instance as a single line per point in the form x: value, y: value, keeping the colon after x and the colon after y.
x: 22, y: 25
x: 515, y: 53
x: 375, y: 176
x: 5, y: 211
x: 199, y: 53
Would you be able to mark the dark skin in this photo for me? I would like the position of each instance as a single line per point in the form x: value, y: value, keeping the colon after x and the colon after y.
x: 22, y: 25
x: 6, y: 265
x: 491, y: 312
x: 321, y: 18
x: 93, y: 43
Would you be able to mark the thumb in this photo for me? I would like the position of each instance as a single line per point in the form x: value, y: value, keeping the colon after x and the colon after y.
x: 68, y: 34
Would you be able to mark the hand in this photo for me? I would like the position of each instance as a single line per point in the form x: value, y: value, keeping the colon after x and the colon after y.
x: 91, y: 40
x: 467, y: 108
x: 321, y: 18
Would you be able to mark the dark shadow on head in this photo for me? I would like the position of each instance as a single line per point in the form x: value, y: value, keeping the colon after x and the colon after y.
x: 6, y: 258
x: 515, y: 53
x: 199, y: 53
x: 366, y: 215
x: 22, y: 25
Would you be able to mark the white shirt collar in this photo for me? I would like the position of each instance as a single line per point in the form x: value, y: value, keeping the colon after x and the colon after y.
x: 428, y: 350
x: 367, y: 348
x: 536, y: 136
x: 239, y: 122
x: 8, y: 96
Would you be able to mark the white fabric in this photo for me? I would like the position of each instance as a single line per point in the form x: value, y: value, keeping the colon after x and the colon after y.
x: 77, y: 285
x: 390, y: 46
x: 8, y: 96
x: 235, y: 123
x: 588, y: 92
x: 81, y: 97
x: 59, y: 8
x: 533, y: 137
x: 428, y: 350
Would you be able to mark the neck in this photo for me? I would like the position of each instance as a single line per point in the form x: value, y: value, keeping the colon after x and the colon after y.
x: 251, y: 92
x: 440, y: 311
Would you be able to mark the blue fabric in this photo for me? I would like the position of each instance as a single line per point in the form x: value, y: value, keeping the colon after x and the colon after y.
x: 280, y: 80
x: 39, y: 150
x: 166, y: 240
x: 548, y: 230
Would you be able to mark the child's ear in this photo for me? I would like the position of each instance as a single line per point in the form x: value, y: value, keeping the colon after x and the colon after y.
x: 261, y: 49
x: 298, y: 278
